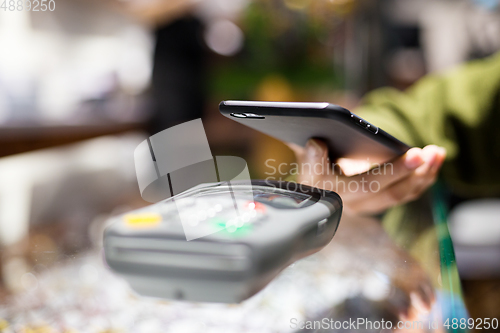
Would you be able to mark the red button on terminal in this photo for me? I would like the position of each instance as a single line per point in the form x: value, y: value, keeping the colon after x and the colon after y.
x: 256, y: 205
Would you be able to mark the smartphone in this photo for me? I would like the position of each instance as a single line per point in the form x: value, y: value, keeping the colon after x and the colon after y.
x: 346, y: 134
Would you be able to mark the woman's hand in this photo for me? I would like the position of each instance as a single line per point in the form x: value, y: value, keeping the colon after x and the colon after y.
x: 399, y: 181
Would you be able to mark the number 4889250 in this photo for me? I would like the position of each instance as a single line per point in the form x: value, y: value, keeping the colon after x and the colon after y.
x: 28, y: 5
x: 471, y: 323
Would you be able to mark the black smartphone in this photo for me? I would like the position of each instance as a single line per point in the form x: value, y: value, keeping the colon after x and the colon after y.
x: 346, y: 134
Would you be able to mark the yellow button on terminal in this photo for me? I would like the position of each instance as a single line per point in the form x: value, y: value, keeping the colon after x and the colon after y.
x: 145, y: 220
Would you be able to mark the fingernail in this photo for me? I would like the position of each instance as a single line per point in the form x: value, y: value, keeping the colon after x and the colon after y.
x: 430, y: 154
x: 438, y: 159
x: 413, y: 158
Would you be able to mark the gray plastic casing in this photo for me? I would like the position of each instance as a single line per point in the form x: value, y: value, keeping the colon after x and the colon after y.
x: 219, y: 268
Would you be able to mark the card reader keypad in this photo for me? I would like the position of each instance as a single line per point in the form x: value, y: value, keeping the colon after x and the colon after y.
x: 212, y: 212
x: 203, y: 212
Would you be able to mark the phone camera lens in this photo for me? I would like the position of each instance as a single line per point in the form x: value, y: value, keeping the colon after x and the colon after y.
x: 247, y: 115
x: 239, y: 115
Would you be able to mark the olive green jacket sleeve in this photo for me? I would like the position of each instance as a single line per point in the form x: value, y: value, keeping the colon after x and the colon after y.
x: 459, y: 110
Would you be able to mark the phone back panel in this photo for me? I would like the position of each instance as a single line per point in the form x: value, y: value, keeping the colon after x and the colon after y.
x: 338, y: 127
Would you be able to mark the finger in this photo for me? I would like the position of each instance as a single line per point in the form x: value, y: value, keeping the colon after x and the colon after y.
x: 434, y: 157
x: 407, y: 189
x: 424, y: 176
x: 298, y: 150
x: 364, y: 189
x: 404, y: 191
x: 317, y: 153
x: 427, y: 173
x: 315, y: 163
x: 351, y: 167
x: 439, y: 156
x: 392, y: 172
x: 313, y: 151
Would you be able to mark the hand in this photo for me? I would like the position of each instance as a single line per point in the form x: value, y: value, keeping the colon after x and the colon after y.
x: 373, y: 191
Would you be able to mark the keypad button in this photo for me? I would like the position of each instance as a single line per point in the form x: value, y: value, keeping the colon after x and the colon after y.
x: 142, y: 220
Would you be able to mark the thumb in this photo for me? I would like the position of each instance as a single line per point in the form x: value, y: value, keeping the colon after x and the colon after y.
x: 316, y: 158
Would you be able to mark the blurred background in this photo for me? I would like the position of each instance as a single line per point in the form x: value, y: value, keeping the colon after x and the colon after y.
x: 82, y: 85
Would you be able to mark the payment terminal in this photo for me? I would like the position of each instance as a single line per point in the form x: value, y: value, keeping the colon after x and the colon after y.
x: 276, y: 223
